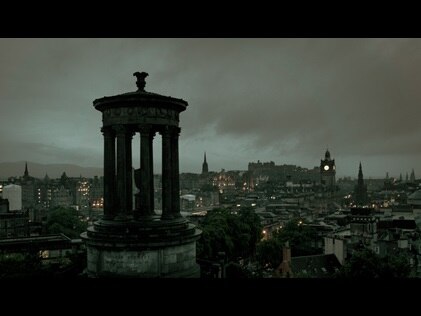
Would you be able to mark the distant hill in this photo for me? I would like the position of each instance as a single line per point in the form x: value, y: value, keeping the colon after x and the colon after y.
x: 37, y: 170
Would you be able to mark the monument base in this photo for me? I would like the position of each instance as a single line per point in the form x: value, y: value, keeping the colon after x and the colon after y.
x: 154, y: 249
x: 170, y: 262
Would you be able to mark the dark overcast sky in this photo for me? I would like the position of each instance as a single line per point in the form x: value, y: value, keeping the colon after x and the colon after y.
x: 284, y: 100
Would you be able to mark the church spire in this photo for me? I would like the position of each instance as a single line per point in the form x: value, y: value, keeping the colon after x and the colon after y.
x: 26, y: 174
x: 360, y: 175
x: 360, y: 190
x: 204, y: 165
x: 412, y: 175
x: 327, y: 154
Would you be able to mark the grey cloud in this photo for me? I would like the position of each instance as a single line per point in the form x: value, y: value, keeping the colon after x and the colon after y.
x: 48, y: 153
x: 271, y: 99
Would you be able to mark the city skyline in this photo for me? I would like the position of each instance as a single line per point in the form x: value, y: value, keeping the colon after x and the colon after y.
x: 281, y: 100
x: 40, y: 170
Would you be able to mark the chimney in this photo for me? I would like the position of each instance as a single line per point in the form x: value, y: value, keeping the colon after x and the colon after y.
x: 286, y: 261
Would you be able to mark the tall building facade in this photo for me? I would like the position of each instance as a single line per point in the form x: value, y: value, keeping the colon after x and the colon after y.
x: 328, y: 172
x: 13, y: 193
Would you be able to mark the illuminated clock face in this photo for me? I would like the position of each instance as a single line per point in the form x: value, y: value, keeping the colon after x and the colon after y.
x: 326, y: 167
x: 333, y: 167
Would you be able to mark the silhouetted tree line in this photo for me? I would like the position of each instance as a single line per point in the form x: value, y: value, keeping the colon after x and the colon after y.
x: 30, y: 266
x: 235, y: 232
x: 365, y: 264
x: 66, y: 221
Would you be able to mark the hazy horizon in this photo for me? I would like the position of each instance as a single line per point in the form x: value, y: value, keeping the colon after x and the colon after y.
x: 91, y: 171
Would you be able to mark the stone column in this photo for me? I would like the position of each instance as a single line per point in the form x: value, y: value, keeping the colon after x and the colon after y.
x: 109, y: 173
x: 124, y: 171
x: 166, y: 174
x: 146, y: 170
x: 175, y: 172
x: 151, y: 185
x: 129, y: 172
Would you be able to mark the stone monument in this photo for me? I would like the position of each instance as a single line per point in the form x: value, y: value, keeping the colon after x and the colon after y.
x: 132, y: 240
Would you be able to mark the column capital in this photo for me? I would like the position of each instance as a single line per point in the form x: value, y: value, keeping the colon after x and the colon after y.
x: 122, y: 129
x: 107, y: 131
x: 146, y: 129
x: 119, y: 129
x: 168, y: 131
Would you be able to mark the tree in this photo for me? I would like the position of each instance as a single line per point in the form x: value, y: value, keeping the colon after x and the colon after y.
x: 65, y: 221
x: 215, y: 235
x: 396, y: 266
x: 236, y: 271
x: 299, y: 236
x: 245, y: 231
x: 234, y: 233
x: 254, y: 230
x: 20, y: 265
x: 269, y: 253
x: 365, y: 263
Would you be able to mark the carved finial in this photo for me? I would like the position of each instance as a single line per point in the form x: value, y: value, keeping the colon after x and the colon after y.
x: 140, y: 83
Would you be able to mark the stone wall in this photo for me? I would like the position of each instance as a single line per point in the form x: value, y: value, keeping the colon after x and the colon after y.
x: 173, y: 261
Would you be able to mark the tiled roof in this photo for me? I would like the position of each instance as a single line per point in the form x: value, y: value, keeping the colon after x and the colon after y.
x: 415, y: 196
x: 397, y: 223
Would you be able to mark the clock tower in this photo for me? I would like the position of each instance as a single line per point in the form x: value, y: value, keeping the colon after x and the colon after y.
x: 328, y: 172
